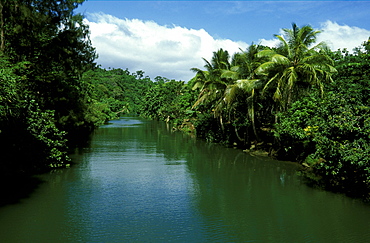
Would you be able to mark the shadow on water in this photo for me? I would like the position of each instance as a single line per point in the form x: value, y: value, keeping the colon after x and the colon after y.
x: 14, y: 189
x: 16, y: 186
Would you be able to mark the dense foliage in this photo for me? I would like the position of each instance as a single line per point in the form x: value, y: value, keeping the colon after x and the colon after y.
x: 331, y: 133
x: 298, y: 101
x: 114, y: 92
x: 302, y: 101
x: 44, y: 49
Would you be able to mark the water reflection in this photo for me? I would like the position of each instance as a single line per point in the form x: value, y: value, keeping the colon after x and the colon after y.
x: 256, y: 199
x: 139, y: 181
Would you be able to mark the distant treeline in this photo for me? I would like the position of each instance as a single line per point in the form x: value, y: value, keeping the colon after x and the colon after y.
x: 299, y: 101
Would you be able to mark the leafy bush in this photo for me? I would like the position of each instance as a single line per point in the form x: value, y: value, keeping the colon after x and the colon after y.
x: 48, y: 141
x: 332, y: 135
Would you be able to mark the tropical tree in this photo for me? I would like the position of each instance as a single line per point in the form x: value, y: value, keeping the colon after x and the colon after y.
x: 44, y: 49
x: 53, y: 43
x: 331, y: 133
x: 296, y: 65
x: 209, y: 81
x: 244, y: 84
x: 243, y: 64
x: 230, y: 87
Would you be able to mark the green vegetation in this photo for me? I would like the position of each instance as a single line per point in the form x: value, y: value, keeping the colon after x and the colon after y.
x: 331, y: 133
x: 299, y: 101
x: 44, y: 50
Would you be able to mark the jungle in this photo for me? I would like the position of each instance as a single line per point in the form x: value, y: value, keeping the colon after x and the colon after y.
x: 299, y: 101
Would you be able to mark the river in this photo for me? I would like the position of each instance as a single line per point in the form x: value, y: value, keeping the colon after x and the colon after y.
x: 137, y: 181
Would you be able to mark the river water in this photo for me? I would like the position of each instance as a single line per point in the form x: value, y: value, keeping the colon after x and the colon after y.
x: 138, y: 181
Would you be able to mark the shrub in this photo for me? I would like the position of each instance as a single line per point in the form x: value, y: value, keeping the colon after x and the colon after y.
x: 332, y: 135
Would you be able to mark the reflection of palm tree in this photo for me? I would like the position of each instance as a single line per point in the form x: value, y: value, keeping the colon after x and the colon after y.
x: 295, y: 66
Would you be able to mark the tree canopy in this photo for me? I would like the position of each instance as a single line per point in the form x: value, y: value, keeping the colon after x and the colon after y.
x: 44, y: 50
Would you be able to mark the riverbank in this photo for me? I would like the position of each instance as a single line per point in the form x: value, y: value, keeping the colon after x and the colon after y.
x: 309, y: 168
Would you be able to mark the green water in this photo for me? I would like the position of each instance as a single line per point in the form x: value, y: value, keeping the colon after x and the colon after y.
x: 139, y: 182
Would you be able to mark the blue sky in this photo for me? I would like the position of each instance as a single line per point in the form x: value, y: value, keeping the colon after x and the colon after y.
x: 167, y: 38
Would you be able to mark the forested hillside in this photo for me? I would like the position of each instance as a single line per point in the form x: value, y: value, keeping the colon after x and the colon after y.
x: 299, y: 101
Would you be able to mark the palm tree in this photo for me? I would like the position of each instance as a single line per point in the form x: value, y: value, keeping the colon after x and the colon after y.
x: 295, y: 65
x: 209, y: 81
x: 243, y: 64
x: 244, y: 83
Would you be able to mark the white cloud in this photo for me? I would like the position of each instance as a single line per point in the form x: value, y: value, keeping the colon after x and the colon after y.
x: 271, y: 43
x: 334, y: 35
x: 342, y: 36
x: 167, y: 51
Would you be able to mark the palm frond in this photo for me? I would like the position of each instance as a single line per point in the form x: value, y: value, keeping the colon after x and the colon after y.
x: 248, y: 85
x: 230, y: 74
x: 218, y: 108
x: 208, y: 65
x: 284, y: 45
x: 266, y: 53
x: 197, y: 85
x: 292, y: 77
x: 264, y: 68
x: 270, y: 82
x: 196, y: 70
x: 203, y: 96
x: 280, y: 59
x: 277, y: 94
x: 251, y: 113
x: 231, y: 94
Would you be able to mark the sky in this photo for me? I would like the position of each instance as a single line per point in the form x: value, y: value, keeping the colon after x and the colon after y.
x: 168, y: 38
